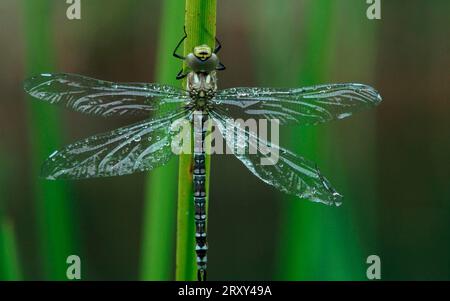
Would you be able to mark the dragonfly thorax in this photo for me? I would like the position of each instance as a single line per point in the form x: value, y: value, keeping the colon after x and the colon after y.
x: 202, y: 88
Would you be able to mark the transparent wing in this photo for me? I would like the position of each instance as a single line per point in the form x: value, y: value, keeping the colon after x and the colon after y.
x: 304, y: 106
x: 134, y: 148
x: 103, y: 98
x: 281, y: 168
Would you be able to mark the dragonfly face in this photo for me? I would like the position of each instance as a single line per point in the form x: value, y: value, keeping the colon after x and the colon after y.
x: 203, y: 52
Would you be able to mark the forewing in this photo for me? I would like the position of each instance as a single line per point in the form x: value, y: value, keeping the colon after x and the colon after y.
x: 138, y: 147
x: 103, y: 98
x: 282, y: 169
x: 304, y: 106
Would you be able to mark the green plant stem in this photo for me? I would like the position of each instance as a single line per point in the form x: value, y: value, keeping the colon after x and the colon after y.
x: 200, y: 24
x: 55, y: 228
x: 9, y: 257
x: 355, y: 234
x: 9, y: 263
x: 159, y: 216
x: 299, y: 258
x: 328, y: 236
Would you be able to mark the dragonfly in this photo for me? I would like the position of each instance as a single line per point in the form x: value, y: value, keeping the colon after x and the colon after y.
x: 146, y: 145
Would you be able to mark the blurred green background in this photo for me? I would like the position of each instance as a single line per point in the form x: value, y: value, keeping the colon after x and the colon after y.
x: 390, y: 163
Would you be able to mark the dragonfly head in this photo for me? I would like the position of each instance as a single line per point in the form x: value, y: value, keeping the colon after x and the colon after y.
x: 202, y: 60
x: 202, y: 52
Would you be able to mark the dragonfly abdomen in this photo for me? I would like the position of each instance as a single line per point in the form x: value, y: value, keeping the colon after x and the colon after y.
x: 199, y: 178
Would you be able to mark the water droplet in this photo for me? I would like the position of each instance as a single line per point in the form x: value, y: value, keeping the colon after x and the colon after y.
x: 137, y: 138
x: 53, y: 154
x: 337, y: 204
x: 343, y: 115
x: 337, y: 199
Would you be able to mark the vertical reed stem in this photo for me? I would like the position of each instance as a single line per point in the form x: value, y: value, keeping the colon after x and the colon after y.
x: 200, y: 23
x: 296, y: 255
x: 54, y: 212
x: 9, y: 262
x: 159, y: 216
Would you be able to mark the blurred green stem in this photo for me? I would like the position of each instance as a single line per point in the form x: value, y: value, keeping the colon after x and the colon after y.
x: 9, y: 257
x: 300, y: 258
x: 9, y: 264
x: 159, y: 218
x: 329, y: 236
x: 200, y: 23
x: 56, y: 232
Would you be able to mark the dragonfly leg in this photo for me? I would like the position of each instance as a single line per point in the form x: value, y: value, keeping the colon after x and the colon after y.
x: 218, y: 47
x: 182, y: 75
x: 175, y: 54
x: 221, y: 67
